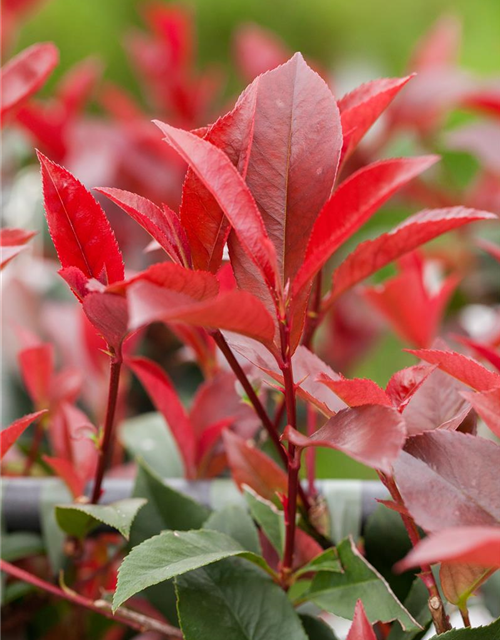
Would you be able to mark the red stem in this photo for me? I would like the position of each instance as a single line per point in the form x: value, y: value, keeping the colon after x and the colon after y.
x: 106, y: 448
x: 138, y: 622
x: 293, y: 454
x: 436, y: 605
x: 257, y: 405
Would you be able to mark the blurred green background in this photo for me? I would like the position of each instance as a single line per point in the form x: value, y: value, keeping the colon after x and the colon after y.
x: 362, y: 39
x: 381, y: 32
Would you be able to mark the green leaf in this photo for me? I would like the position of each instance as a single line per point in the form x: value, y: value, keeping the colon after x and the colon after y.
x: 316, y: 629
x: 326, y: 561
x: 22, y: 544
x: 235, y: 522
x: 173, y: 553
x: 148, y: 436
x: 233, y: 600
x: 165, y: 508
x: 339, y: 592
x: 490, y: 632
x: 416, y: 602
x: 78, y: 519
x: 387, y: 542
x: 268, y: 517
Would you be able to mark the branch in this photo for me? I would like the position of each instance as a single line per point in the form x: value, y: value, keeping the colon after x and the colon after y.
x: 136, y: 621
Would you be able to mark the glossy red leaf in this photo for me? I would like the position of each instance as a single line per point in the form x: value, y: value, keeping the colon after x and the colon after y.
x: 79, y: 229
x: 164, y: 396
x: 222, y: 179
x: 251, y: 467
x: 472, y: 545
x: 361, y: 629
x: 414, y: 312
x: 10, y: 434
x: 37, y: 368
x: 236, y: 311
x: 25, y: 74
x: 293, y: 159
x: 372, y: 255
x: 404, y: 383
x: 371, y: 434
x: 68, y: 474
x: 201, y: 215
x: 460, y: 367
x: 360, y: 108
x: 442, y: 483
x: 356, y: 392
x: 487, y: 405
x: 162, y: 224
x: 352, y: 205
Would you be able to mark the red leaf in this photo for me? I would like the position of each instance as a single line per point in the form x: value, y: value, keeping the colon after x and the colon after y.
x: 37, y: 368
x: 414, y: 312
x: 490, y: 247
x: 361, y: 629
x: 403, y: 384
x: 222, y: 179
x: 293, y: 158
x: 164, y: 396
x: 487, y: 405
x: 10, y: 434
x: 435, y: 404
x: 258, y: 50
x: 199, y: 285
x: 203, y: 219
x: 236, y: 311
x: 360, y: 108
x: 162, y: 224
x: 460, y: 367
x: 450, y: 479
x: 471, y: 545
x: 79, y: 229
x: 482, y: 350
x: 251, y: 467
x: 357, y: 391
x: 480, y: 139
x: 352, y: 204
x: 372, y: 434
x: 372, y: 255
x: 9, y: 253
x: 68, y: 473
x: 77, y: 85
x: 440, y: 46
x: 15, y: 237
x: 109, y: 314
x: 25, y: 74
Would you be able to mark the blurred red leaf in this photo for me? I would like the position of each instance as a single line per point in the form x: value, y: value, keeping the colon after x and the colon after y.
x: 474, y: 545
x: 10, y: 434
x: 25, y: 74
x: 37, y: 368
x: 258, y: 50
x: 68, y: 474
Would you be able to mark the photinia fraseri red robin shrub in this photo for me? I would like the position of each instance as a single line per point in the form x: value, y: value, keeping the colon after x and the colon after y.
x: 268, y: 182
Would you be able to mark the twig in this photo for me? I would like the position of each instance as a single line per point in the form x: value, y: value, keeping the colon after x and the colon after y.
x: 136, y: 621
